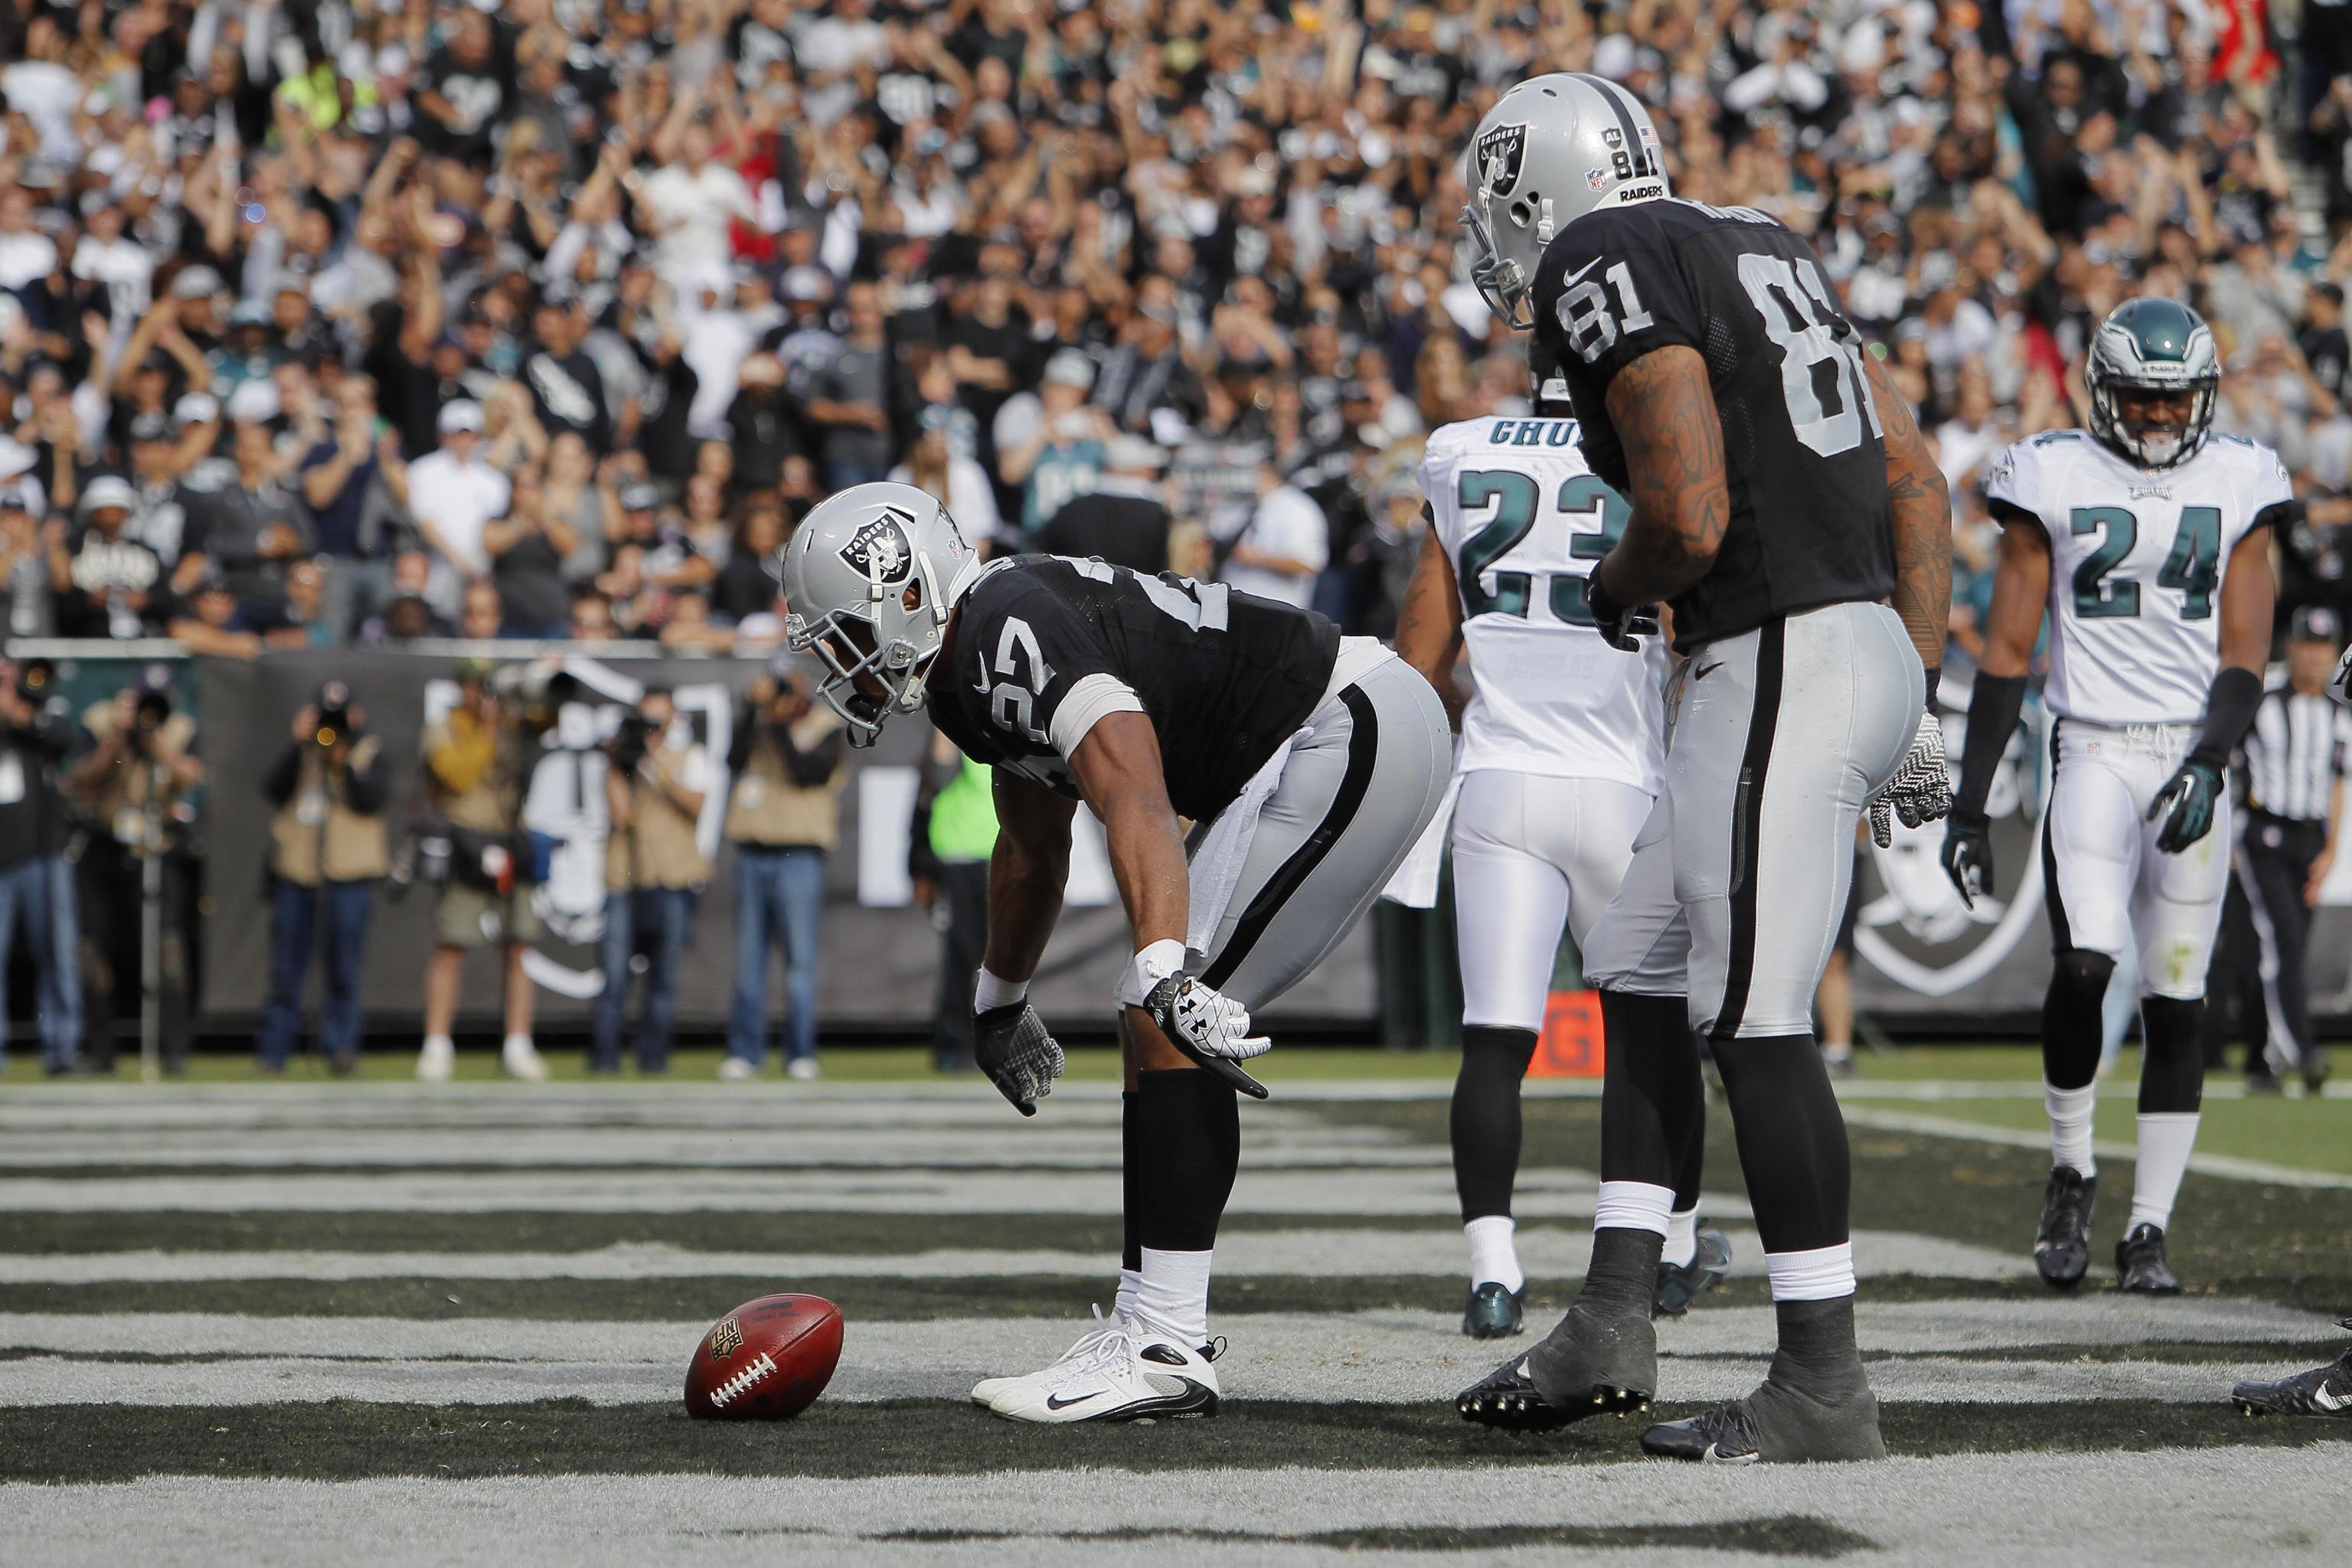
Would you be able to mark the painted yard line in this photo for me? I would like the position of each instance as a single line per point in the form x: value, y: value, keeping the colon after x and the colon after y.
x: 2150, y: 1510
x: 1549, y: 1193
x: 2010, y: 1137
x: 1547, y: 1252
x: 1327, y: 1343
x: 1346, y: 1380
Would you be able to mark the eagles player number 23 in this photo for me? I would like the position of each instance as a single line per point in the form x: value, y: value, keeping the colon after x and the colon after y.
x: 1515, y: 498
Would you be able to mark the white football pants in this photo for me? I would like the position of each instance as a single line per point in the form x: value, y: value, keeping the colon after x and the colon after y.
x: 1532, y: 854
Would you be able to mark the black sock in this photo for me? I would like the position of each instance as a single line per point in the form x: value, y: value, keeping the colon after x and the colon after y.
x: 1653, y: 1098
x: 1817, y: 1351
x: 1484, y: 1120
x: 2074, y: 1015
x: 1188, y: 1144
x: 1131, y: 1252
x: 1623, y: 1277
x: 1792, y: 1147
x: 2172, y: 1055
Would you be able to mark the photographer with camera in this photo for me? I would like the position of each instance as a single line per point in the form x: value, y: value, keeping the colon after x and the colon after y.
x: 476, y: 764
x: 328, y: 849
x: 133, y: 788
x: 36, y: 883
x: 784, y: 818
x: 655, y: 782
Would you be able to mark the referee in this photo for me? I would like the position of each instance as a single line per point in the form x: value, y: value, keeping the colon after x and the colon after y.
x: 2295, y: 779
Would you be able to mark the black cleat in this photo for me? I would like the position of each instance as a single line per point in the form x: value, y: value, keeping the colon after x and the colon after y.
x: 1493, y: 1311
x: 1723, y: 1436
x: 2322, y: 1391
x: 1508, y: 1400
x: 2139, y: 1259
x: 2061, y: 1251
x: 2316, y: 1068
x: 1681, y: 1283
x: 2265, y: 1082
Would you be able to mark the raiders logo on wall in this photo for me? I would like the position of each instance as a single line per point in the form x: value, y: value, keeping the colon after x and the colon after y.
x: 879, y: 552
x: 1500, y: 152
x: 1917, y: 931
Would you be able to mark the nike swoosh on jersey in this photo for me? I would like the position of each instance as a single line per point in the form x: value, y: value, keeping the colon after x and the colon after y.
x: 1570, y: 281
x: 1055, y: 1402
x: 1703, y: 673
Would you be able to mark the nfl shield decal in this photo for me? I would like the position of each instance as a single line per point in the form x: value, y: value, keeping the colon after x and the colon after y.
x: 1500, y: 152
x: 880, y: 551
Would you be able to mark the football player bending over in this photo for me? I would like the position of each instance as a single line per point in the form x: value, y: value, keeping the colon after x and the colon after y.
x: 2147, y: 539
x: 1782, y: 497
x: 1562, y: 754
x: 1308, y: 762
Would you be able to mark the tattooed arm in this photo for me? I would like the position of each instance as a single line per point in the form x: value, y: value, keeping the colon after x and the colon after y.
x: 1922, y: 505
x: 1428, y: 626
x: 1664, y: 409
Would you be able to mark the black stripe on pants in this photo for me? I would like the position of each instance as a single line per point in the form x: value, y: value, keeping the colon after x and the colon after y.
x: 1747, y: 825
x: 2274, y: 863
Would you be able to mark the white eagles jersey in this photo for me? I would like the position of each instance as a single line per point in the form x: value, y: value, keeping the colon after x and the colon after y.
x: 1525, y: 521
x: 2137, y: 557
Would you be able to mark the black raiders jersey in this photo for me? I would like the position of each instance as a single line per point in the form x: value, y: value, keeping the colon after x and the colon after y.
x: 1045, y: 645
x: 1810, y: 524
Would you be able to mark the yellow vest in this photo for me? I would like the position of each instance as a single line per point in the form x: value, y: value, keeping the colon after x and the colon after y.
x: 318, y: 821
x: 474, y: 780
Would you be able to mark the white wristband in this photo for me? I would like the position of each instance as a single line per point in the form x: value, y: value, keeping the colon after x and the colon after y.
x: 1154, y: 964
x: 989, y: 992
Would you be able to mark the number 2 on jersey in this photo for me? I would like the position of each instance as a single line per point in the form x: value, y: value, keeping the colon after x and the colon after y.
x: 2193, y: 567
x: 1515, y: 498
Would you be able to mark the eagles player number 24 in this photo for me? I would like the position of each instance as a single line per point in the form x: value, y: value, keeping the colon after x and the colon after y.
x: 2194, y: 567
x: 1515, y: 498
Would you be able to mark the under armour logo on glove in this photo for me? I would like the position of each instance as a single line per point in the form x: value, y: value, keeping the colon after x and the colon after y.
x: 1200, y: 1019
x: 1010, y: 1045
x: 1921, y: 790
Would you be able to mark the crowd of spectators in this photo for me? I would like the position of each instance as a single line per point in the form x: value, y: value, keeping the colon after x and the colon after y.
x: 325, y: 322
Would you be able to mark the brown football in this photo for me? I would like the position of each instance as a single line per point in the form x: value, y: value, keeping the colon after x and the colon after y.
x: 765, y: 1361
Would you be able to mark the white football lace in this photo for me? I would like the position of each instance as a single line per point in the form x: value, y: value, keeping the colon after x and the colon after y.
x: 742, y: 1381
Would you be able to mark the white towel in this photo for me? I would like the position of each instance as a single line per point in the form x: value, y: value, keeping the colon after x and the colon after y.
x: 1415, y: 882
x: 1217, y: 863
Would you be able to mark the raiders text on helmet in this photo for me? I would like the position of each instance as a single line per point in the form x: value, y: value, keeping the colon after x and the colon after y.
x: 1552, y: 149
x: 2152, y: 345
x: 869, y: 579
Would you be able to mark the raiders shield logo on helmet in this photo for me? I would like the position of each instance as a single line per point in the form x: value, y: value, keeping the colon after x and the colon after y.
x: 1500, y: 152
x: 879, y: 552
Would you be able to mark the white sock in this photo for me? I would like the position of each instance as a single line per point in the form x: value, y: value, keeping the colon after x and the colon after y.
x: 1131, y: 1281
x: 2070, y: 1125
x: 438, y: 1045
x: 1682, y: 1238
x: 1173, y: 1293
x: 1493, y: 1259
x: 1824, y: 1274
x: 2166, y: 1137
x: 1634, y: 1205
x: 517, y: 1045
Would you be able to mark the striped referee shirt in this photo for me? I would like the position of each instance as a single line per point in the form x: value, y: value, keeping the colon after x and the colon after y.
x: 2295, y: 752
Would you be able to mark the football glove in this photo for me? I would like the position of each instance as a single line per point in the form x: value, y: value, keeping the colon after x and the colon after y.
x: 1921, y: 789
x: 2185, y: 804
x: 1968, y: 854
x: 1622, y: 627
x: 1208, y: 1027
x: 1010, y: 1045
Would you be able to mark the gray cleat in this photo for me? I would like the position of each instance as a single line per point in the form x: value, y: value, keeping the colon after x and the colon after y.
x: 1776, y: 1426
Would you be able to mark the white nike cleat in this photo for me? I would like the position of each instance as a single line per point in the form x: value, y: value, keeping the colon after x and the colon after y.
x: 437, y: 1062
x: 986, y: 1391
x: 736, y: 1069
x: 1139, y: 1373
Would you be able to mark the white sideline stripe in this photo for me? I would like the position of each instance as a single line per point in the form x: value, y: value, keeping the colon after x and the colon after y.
x: 2199, y: 1507
x: 2010, y: 1137
x: 41, y: 1381
x: 1549, y: 1253
x: 1379, y: 1342
x: 1549, y: 1193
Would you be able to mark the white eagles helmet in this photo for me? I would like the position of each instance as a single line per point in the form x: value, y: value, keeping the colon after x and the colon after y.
x: 2152, y: 345
x: 1552, y: 149
x: 870, y: 577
